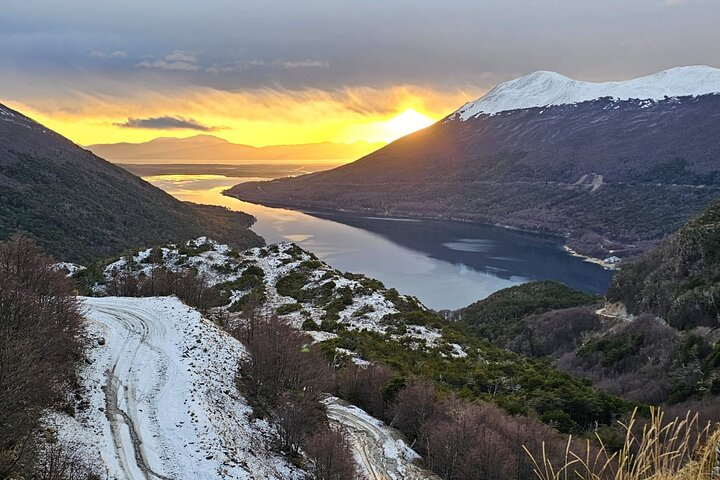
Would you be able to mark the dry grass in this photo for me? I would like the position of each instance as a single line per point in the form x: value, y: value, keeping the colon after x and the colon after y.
x: 680, y: 449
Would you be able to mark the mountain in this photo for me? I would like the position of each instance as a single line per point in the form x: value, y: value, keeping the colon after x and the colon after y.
x: 612, y: 166
x: 680, y: 279
x: 80, y: 207
x: 543, y: 89
x: 208, y: 147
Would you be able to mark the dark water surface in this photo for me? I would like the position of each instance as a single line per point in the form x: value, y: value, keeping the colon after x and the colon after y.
x: 445, y: 264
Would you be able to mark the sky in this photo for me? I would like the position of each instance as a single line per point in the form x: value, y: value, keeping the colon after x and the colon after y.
x: 283, y: 72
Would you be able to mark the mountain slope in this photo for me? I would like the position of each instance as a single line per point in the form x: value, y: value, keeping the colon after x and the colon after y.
x: 680, y: 279
x: 208, y: 147
x: 80, y: 207
x: 611, y: 174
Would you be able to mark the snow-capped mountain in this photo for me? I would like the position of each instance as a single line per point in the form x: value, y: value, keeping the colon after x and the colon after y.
x: 612, y: 167
x: 542, y: 89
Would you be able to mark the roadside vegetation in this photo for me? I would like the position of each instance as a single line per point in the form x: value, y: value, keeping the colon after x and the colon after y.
x: 285, y: 377
x: 40, y: 345
x: 680, y: 448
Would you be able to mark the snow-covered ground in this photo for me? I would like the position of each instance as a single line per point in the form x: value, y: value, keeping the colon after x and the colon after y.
x: 158, y: 397
x: 162, y: 397
x: 540, y: 89
x: 380, y: 451
x: 369, y: 310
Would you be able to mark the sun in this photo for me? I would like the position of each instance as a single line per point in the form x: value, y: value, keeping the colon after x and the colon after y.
x: 406, y: 123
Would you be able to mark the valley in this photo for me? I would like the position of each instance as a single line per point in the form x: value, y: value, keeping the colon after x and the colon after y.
x: 445, y: 264
x: 359, y: 241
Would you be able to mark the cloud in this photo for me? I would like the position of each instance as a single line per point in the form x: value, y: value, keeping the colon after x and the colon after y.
x: 178, y: 60
x: 166, y: 123
x: 245, y: 65
x: 307, y: 63
x: 102, y: 54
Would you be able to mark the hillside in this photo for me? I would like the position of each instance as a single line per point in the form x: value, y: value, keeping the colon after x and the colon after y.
x: 501, y: 315
x: 644, y: 360
x: 211, y: 148
x: 612, y: 174
x: 80, y: 207
x: 680, y: 279
x: 353, y: 318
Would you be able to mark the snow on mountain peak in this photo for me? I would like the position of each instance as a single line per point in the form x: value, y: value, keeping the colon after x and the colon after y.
x: 542, y: 88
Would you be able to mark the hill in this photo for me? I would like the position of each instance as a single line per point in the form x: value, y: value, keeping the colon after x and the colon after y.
x: 613, y: 167
x: 500, y: 316
x: 80, y: 207
x: 211, y: 148
x: 680, y: 279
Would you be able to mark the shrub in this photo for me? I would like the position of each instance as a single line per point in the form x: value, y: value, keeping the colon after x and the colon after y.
x: 288, y: 308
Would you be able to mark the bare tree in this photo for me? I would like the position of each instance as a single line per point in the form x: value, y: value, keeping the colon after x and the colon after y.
x: 329, y: 456
x: 40, y: 327
x: 413, y: 407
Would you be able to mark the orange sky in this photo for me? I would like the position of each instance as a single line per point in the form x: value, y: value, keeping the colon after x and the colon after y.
x: 255, y: 117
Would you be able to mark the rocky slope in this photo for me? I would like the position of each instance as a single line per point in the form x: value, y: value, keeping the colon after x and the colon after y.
x: 615, y: 168
x: 80, y: 207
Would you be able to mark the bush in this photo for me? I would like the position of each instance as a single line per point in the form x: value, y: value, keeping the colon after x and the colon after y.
x: 288, y: 308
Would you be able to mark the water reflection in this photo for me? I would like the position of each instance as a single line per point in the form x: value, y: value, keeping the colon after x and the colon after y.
x: 445, y: 264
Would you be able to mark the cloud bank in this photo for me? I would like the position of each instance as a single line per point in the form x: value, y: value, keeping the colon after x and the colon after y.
x: 166, y: 123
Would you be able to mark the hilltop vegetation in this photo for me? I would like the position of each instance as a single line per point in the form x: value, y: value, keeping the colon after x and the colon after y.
x: 361, y: 317
x: 81, y: 208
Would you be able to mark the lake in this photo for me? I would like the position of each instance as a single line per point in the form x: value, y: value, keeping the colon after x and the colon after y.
x: 445, y: 264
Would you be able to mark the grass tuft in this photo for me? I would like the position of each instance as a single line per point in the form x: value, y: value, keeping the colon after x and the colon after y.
x: 679, y: 449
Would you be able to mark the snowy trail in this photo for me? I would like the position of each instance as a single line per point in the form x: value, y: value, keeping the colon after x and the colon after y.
x: 121, y: 389
x: 163, y: 400
x: 379, y: 449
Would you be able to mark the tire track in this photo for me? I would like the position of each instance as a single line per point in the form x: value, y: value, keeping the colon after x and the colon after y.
x: 139, y: 330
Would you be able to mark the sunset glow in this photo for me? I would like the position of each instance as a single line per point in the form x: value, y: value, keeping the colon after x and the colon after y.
x: 406, y: 123
x: 257, y: 117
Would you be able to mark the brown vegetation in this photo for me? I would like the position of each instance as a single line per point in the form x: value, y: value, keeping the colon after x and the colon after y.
x: 459, y: 439
x: 40, y: 327
x: 285, y: 378
x: 189, y: 286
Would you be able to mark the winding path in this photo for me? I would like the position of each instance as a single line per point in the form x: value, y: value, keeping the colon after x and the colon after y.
x: 380, y: 450
x: 130, y: 391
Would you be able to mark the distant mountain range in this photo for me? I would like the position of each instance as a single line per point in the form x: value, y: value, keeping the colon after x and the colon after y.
x: 210, y: 148
x: 612, y: 166
x: 81, y: 208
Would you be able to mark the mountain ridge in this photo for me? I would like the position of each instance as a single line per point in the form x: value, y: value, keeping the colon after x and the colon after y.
x: 209, y: 147
x: 545, y: 88
x: 612, y: 177
x: 80, y: 207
